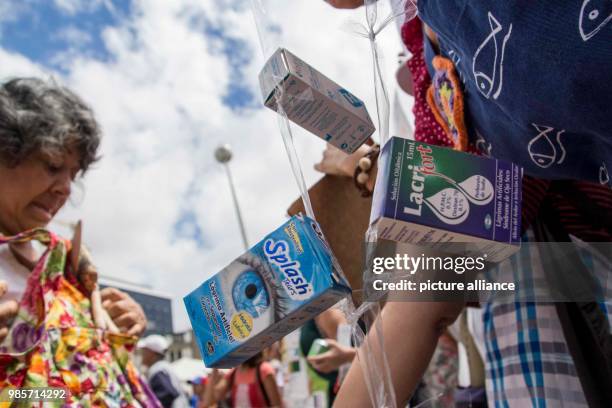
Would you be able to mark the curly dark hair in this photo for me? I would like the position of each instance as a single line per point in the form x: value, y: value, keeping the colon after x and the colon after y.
x: 38, y: 115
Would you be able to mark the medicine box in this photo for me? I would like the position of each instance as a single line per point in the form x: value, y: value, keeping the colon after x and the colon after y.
x: 435, y: 196
x: 286, y: 279
x: 314, y: 102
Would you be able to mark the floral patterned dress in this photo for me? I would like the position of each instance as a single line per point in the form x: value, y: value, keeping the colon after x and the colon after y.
x: 53, y: 341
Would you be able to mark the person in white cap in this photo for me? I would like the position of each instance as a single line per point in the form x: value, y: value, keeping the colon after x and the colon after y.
x: 162, y: 380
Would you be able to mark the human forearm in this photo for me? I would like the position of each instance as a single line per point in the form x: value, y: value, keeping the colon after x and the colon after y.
x: 410, y: 333
x: 329, y: 321
x: 215, y: 389
x: 272, y: 391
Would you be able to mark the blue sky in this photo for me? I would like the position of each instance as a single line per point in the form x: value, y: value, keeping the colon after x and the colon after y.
x: 43, y: 29
x: 47, y: 32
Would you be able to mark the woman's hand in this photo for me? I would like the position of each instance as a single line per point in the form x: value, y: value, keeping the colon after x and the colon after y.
x: 215, y: 376
x: 125, y: 312
x: 345, y: 4
x: 333, y: 358
x: 216, y: 388
x: 338, y: 163
x: 8, y: 310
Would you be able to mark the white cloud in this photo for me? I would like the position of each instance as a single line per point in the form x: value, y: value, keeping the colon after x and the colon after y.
x: 74, y: 37
x: 14, y: 65
x: 159, y: 100
x: 72, y: 7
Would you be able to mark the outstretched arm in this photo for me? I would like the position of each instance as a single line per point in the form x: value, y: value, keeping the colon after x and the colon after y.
x: 410, y: 334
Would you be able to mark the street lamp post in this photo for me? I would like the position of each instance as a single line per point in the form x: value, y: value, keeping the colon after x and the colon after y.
x: 223, y: 154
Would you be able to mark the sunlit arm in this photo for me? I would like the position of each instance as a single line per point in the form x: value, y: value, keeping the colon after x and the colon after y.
x: 410, y: 334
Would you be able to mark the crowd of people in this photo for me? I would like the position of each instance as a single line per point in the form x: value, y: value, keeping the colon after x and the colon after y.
x: 489, y: 354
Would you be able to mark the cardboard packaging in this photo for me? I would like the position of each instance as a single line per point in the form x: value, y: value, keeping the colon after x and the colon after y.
x: 432, y: 196
x: 343, y: 215
x: 314, y: 102
x: 280, y: 283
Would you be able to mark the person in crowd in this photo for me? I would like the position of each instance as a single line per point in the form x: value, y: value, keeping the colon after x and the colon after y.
x: 252, y: 384
x: 518, y: 75
x: 49, y: 138
x: 198, y: 385
x: 439, y: 382
x: 332, y: 359
x: 325, y: 326
x: 469, y: 333
x: 160, y: 374
x: 273, y: 355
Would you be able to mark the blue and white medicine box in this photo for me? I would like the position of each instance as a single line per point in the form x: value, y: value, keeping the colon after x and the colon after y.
x: 285, y: 280
x: 311, y: 100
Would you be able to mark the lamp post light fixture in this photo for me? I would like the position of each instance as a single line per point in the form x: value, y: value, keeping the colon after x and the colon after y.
x: 223, y: 155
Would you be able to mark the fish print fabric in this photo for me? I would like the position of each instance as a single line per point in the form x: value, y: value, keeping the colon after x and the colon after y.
x: 537, y: 82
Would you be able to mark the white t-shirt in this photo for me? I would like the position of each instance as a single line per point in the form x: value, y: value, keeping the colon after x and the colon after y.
x: 13, y: 273
x: 475, y: 326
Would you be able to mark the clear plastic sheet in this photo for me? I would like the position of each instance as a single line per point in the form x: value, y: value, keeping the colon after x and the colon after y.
x: 403, y: 10
x: 371, y: 356
x: 269, y: 44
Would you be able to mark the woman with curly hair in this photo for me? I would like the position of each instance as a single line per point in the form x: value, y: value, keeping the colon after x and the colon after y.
x: 48, y: 334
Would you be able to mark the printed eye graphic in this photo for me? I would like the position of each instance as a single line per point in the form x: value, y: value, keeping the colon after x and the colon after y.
x: 250, y: 294
x: 249, y: 285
